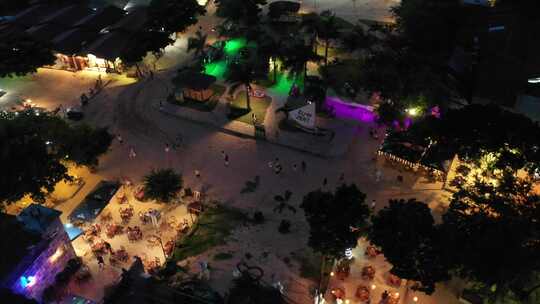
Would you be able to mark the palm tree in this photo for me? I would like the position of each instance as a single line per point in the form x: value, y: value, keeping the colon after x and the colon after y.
x: 296, y: 57
x: 271, y: 47
x: 357, y: 39
x: 310, y: 26
x: 197, y: 44
x: 328, y: 30
x: 242, y: 73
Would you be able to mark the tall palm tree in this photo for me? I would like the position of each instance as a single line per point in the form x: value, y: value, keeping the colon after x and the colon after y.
x: 242, y: 73
x: 310, y: 25
x: 328, y: 30
x: 296, y: 57
x: 197, y: 44
x: 270, y: 47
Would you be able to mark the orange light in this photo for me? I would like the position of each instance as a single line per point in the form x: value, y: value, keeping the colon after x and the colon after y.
x: 415, y: 299
x: 396, y: 294
x: 373, y: 286
x: 332, y: 274
x: 58, y: 253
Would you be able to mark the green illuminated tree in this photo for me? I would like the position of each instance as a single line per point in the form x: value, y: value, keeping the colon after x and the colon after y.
x: 242, y: 73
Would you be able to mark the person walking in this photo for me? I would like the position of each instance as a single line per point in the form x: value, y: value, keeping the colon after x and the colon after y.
x: 342, y: 178
x: 223, y: 154
x: 325, y: 181
x: 373, y: 203
x: 294, y: 167
x: 197, y: 174
x: 304, y: 166
x: 120, y: 139
x: 226, y: 160
x: 100, y: 261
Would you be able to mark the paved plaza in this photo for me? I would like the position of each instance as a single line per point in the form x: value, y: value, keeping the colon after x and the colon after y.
x: 130, y: 108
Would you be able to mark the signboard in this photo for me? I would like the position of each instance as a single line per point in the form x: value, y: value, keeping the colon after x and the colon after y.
x: 304, y: 116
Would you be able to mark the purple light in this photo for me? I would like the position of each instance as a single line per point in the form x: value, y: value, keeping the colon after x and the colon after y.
x: 347, y: 110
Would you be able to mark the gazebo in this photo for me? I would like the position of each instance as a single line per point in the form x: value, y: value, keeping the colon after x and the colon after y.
x: 195, y: 85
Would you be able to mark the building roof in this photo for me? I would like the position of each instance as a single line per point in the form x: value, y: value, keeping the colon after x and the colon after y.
x: 38, y: 218
x: 108, y: 46
x: 68, y: 16
x: 45, y: 32
x: 15, y: 244
x: 34, y: 15
x: 132, y: 22
x: 101, y: 19
x: 74, y: 40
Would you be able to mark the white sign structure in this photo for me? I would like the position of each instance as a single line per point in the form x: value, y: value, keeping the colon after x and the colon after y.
x: 304, y: 116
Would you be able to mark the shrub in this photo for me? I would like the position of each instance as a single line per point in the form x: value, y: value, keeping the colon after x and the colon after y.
x: 258, y: 217
x: 284, y: 226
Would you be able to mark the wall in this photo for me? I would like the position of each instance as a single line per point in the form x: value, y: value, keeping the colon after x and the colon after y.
x: 43, y: 269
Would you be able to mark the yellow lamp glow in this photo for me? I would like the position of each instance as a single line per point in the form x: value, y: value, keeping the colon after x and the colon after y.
x: 58, y: 253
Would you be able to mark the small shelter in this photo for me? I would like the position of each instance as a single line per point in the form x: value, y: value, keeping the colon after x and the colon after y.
x: 195, y: 85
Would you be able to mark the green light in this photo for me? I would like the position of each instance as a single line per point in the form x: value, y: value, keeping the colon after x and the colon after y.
x: 284, y: 84
x: 216, y: 68
x: 233, y: 46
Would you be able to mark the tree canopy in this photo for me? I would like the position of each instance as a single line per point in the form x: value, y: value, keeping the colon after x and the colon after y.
x: 21, y: 55
x: 173, y: 16
x: 335, y: 219
x: 491, y: 229
x: 35, y: 150
x: 162, y: 184
x: 244, y: 12
x: 476, y: 130
x: 406, y: 233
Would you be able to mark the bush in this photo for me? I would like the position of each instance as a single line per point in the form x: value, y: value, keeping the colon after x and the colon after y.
x: 162, y: 184
x: 258, y: 217
x: 284, y: 226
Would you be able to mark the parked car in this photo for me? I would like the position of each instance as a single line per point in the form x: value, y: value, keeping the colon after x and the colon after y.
x: 74, y: 113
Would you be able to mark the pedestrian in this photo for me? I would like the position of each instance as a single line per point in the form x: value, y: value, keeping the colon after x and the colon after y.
x: 270, y: 164
x: 151, y: 74
x: 167, y: 148
x: 325, y: 181
x: 120, y: 139
x: 108, y: 247
x: 373, y: 204
x: 132, y: 153
x: 294, y: 167
x: 378, y: 175
x: 342, y: 177
x: 226, y: 160
x: 197, y: 174
x: 223, y: 154
x: 100, y: 261
x: 304, y: 166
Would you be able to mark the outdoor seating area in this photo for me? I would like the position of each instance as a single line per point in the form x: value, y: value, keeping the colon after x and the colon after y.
x: 365, y: 278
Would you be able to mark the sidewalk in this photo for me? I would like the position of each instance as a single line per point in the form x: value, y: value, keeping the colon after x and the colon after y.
x: 317, y: 145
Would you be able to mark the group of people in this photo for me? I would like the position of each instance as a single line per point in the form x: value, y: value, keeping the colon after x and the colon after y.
x: 278, y: 168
